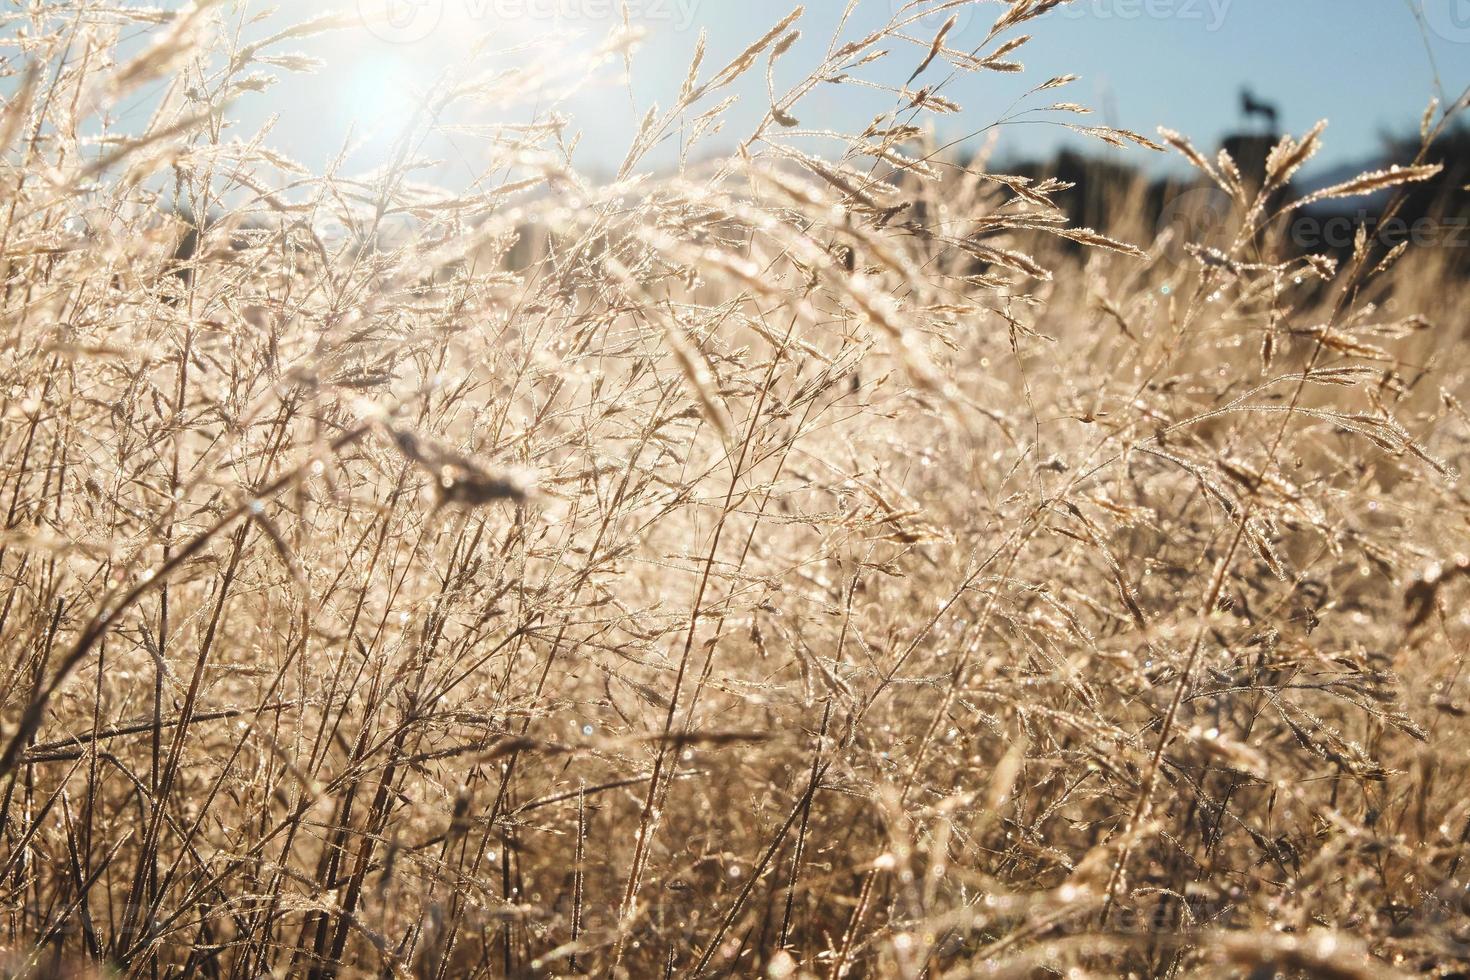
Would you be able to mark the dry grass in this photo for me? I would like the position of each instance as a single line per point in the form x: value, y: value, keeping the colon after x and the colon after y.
x: 801, y: 565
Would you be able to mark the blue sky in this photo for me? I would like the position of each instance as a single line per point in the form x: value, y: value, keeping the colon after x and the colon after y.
x: 1367, y: 65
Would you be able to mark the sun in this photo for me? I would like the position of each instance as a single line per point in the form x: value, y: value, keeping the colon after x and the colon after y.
x: 399, y: 52
x: 404, y: 51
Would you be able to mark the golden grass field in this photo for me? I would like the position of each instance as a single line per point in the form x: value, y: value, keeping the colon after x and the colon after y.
x: 783, y: 565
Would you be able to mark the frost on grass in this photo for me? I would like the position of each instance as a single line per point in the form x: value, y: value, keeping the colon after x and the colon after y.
x: 814, y: 559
